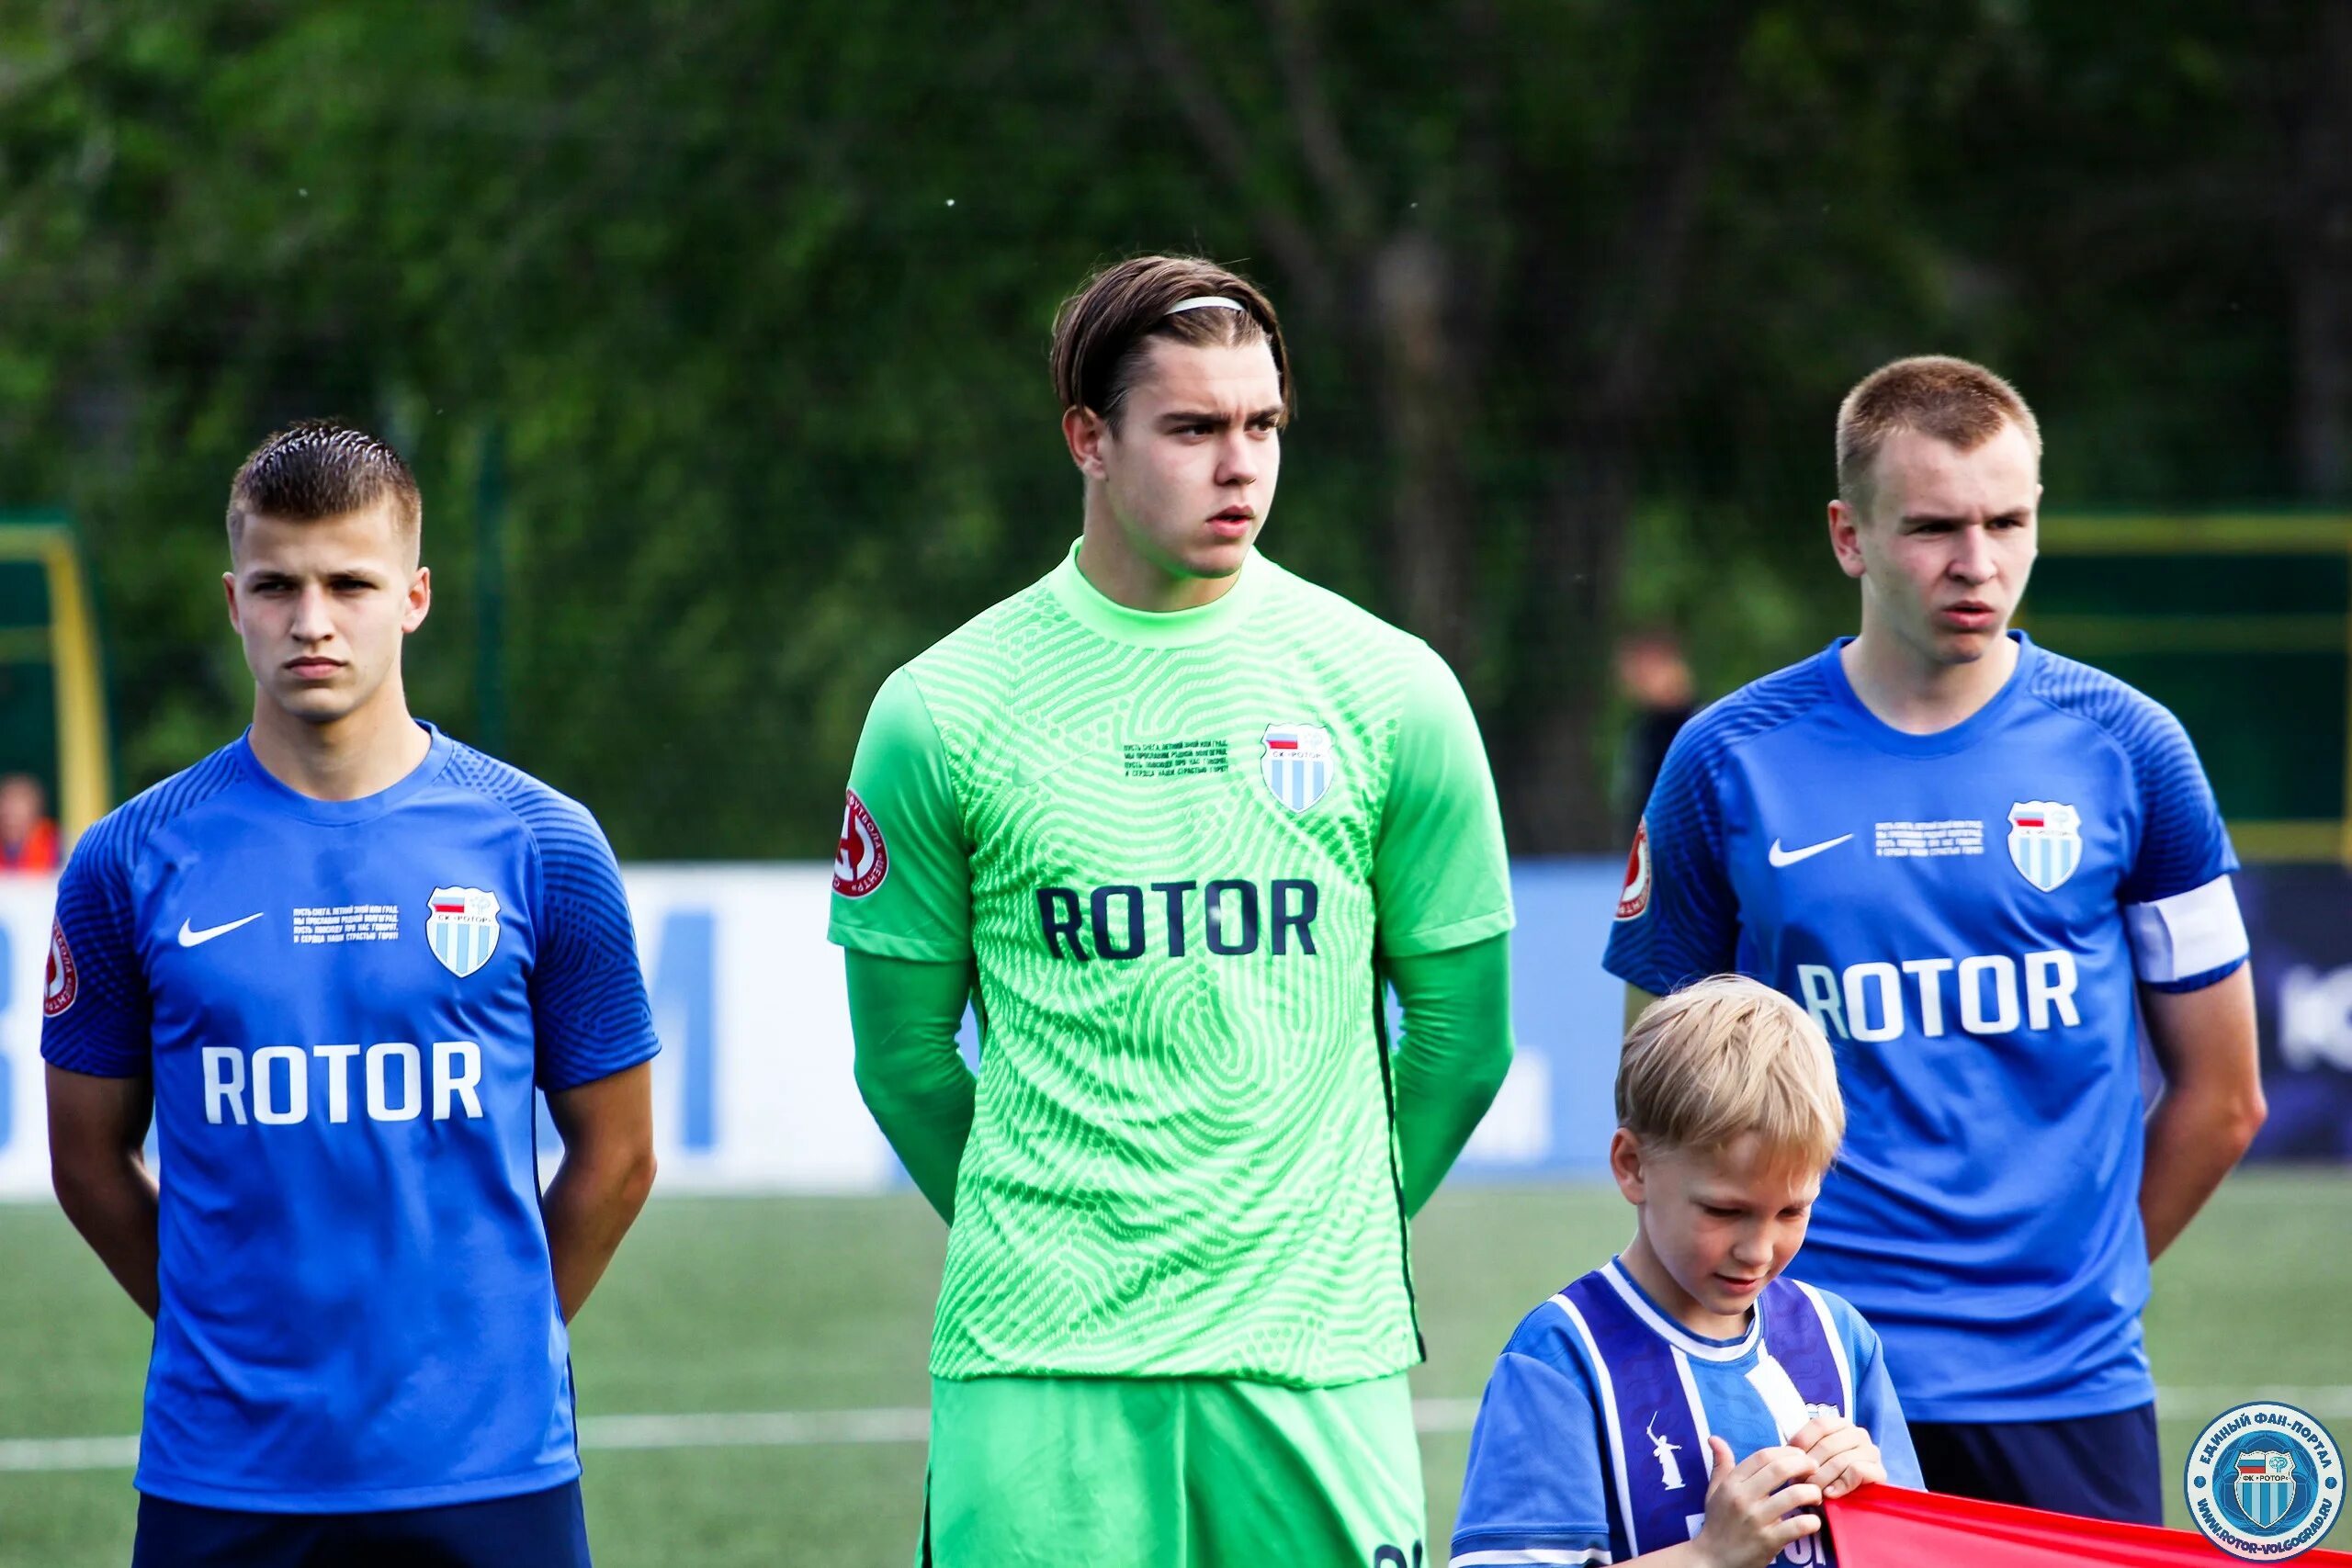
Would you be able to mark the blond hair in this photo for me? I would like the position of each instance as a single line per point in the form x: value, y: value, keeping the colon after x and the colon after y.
x: 1957, y: 401
x: 1725, y: 1057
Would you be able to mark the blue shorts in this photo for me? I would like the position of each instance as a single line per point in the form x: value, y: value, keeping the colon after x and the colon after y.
x: 537, y: 1529
x: 2098, y: 1467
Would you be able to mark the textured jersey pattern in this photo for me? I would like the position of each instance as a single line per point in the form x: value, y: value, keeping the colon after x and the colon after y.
x: 105, y: 1031
x: 1182, y: 1160
x: 1950, y: 908
x: 588, y: 999
x: 358, y: 1311
x: 1700, y: 939
x: 2180, y: 826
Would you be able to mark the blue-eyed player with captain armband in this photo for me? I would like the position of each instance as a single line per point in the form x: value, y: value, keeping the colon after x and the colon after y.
x: 1686, y: 1405
x: 1978, y: 865
x: 334, y: 959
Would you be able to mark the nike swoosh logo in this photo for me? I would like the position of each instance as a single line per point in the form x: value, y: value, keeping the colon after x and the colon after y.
x: 1779, y: 857
x: 189, y: 938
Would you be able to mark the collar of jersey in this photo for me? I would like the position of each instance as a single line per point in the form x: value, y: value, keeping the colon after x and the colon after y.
x: 367, y: 807
x: 1158, y: 628
x: 1942, y: 742
x: 1622, y: 1280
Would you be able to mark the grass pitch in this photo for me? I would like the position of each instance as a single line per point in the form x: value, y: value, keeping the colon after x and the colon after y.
x: 808, y: 1305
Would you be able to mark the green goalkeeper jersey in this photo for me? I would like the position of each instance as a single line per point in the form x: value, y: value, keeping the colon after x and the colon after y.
x: 1173, y: 848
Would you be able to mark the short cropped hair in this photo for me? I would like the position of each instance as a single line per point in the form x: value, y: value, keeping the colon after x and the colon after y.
x: 1955, y: 400
x: 320, y: 469
x: 1103, y: 333
x: 1726, y: 1057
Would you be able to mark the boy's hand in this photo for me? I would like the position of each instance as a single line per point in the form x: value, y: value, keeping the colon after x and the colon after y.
x: 1844, y: 1457
x: 1749, y: 1516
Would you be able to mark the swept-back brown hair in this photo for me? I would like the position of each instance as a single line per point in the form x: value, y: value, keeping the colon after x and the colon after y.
x: 1104, y: 332
x: 1955, y: 400
x: 319, y: 469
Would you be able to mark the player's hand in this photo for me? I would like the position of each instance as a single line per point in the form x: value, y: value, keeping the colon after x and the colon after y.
x: 1844, y: 1457
x: 1752, y: 1506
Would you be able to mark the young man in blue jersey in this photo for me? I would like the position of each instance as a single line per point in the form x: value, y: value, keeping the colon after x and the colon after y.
x: 1684, y: 1406
x: 1977, y: 864
x: 334, y: 959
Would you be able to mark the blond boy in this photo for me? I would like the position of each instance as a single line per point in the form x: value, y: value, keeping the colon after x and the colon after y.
x: 1683, y: 1406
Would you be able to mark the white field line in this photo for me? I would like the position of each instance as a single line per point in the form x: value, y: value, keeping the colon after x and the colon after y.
x: 912, y: 1424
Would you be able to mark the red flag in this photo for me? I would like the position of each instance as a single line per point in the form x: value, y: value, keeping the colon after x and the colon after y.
x: 1891, y: 1527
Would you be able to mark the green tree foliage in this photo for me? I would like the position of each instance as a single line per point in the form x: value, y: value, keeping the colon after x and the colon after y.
x: 732, y: 319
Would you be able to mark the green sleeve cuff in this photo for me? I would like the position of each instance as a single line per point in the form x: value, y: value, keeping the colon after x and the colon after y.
x: 858, y: 938
x: 1445, y: 938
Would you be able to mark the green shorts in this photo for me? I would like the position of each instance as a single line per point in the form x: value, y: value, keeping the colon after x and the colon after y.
x: 1171, y: 1472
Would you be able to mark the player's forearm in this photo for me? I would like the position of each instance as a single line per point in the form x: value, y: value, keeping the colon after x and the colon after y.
x: 904, y: 1015
x: 2212, y: 1105
x: 97, y: 1130
x: 1455, y: 1053
x: 111, y: 1200
x: 927, y: 1125
x: 607, y: 1126
x: 595, y: 1196
x: 2194, y: 1137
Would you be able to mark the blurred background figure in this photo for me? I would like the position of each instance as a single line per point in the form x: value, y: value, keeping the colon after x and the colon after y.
x: 27, y: 836
x: 1656, y: 678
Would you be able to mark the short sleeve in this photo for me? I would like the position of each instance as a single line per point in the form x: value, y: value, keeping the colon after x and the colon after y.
x: 902, y: 873
x: 1876, y: 1409
x: 2179, y: 907
x: 97, y: 1015
x: 1678, y: 916
x: 2182, y: 844
x: 588, y: 1003
x: 1440, y: 876
x: 1533, y: 1482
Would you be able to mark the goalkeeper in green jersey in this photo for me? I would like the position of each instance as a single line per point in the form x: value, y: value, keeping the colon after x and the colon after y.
x: 1167, y: 818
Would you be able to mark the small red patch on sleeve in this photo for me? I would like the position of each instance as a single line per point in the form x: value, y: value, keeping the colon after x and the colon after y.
x: 63, y: 982
x: 1634, y: 901
x: 860, y: 860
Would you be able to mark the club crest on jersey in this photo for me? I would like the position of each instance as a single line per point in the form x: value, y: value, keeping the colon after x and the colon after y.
x: 63, y: 982
x: 462, y: 928
x: 1298, y: 765
x: 860, y: 860
x: 2045, y: 841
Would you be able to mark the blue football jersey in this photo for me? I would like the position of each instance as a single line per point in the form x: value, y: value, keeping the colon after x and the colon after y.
x: 1967, y: 916
x: 1591, y: 1440
x: 344, y: 1006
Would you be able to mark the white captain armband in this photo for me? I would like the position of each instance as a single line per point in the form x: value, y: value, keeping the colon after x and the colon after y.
x: 2187, y: 935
